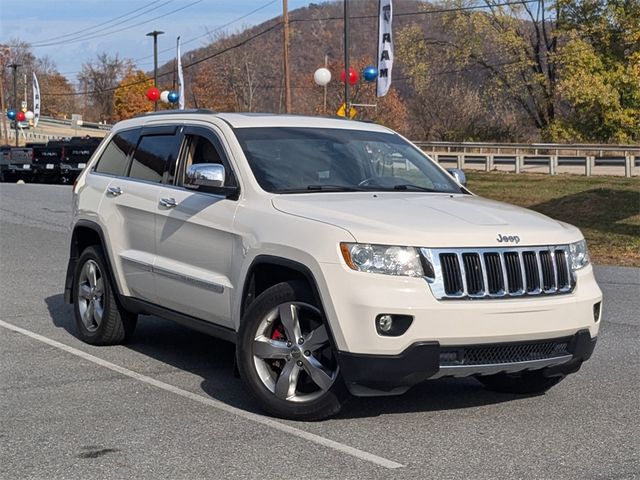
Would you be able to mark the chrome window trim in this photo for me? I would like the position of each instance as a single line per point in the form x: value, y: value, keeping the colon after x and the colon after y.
x: 437, y: 286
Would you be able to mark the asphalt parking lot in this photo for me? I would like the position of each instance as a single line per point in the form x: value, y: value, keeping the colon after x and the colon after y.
x: 168, y: 406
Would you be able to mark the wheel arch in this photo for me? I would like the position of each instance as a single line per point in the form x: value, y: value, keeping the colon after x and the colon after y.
x: 85, y: 233
x: 266, y: 271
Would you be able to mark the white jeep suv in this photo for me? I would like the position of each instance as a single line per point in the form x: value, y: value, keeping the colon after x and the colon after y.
x: 336, y: 255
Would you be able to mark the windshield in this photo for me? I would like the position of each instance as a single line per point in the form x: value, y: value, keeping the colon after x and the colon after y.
x: 296, y: 160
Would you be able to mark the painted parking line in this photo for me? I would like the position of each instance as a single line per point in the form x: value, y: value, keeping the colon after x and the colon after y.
x: 269, y: 422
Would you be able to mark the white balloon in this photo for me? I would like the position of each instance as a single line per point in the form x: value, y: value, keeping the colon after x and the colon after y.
x: 29, y: 115
x: 322, y: 76
x: 164, y: 96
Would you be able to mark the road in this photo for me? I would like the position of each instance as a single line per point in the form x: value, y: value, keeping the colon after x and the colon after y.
x: 168, y: 406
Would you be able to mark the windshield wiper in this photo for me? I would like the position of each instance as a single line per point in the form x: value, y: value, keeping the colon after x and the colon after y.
x: 334, y: 188
x: 410, y: 186
x: 321, y: 188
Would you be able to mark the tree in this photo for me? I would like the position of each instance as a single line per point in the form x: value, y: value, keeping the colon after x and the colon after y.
x: 58, y: 95
x: 129, y: 99
x: 99, y: 79
x: 600, y: 72
x: 446, y: 104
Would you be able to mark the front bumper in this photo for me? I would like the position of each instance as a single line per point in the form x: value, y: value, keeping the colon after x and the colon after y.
x: 376, y: 375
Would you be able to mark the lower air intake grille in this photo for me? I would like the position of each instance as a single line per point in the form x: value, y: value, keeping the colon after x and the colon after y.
x: 505, y: 353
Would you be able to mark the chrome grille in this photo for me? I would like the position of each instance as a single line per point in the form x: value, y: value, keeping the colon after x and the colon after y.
x: 474, y: 273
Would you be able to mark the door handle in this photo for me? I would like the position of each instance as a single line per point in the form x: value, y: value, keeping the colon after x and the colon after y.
x: 168, y: 202
x: 114, y: 191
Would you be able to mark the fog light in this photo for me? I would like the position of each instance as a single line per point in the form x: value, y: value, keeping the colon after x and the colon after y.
x: 385, y: 323
x: 392, y: 325
x: 596, y: 311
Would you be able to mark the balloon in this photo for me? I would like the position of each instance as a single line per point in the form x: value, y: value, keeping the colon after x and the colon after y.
x: 370, y: 73
x: 153, y: 94
x: 174, y: 97
x: 29, y: 115
x: 322, y: 76
x: 353, y: 76
x: 11, y: 114
x: 164, y: 96
x: 20, y: 116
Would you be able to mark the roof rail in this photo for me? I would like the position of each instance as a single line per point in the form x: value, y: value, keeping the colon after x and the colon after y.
x: 177, y: 112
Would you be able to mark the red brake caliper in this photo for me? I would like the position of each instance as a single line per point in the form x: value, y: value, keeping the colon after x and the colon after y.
x: 277, y: 334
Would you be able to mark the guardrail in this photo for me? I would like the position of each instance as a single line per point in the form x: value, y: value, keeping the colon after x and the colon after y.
x: 519, y: 155
x: 59, y: 121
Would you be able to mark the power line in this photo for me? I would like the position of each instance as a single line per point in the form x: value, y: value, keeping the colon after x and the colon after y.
x: 124, y: 28
x: 171, y: 49
x: 72, y: 34
x: 208, y: 57
x: 214, y: 30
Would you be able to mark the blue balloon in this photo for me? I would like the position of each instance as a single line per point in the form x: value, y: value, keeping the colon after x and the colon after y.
x: 370, y: 73
x: 11, y: 114
x: 173, y: 97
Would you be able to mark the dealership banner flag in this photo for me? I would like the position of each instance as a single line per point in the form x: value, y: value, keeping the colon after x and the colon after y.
x: 180, y: 79
x: 36, y: 100
x: 385, y: 47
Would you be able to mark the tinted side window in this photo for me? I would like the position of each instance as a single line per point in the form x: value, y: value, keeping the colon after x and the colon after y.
x: 201, y: 150
x: 153, y: 154
x: 114, y: 158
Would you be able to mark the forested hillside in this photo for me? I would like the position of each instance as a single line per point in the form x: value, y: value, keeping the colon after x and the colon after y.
x: 562, y: 70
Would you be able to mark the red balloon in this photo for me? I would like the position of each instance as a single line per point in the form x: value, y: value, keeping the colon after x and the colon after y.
x: 153, y: 94
x: 20, y: 116
x: 353, y: 76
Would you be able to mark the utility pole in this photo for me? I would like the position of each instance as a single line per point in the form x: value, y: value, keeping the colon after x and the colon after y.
x: 285, y: 50
x: 347, y: 102
x: 155, y: 34
x: 14, y: 67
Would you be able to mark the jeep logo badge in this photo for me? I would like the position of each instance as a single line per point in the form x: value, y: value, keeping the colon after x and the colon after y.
x: 508, y: 239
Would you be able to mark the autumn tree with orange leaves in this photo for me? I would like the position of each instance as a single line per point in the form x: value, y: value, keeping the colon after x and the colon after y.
x: 130, y: 98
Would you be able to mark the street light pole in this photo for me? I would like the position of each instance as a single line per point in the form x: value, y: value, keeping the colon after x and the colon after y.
x: 285, y: 51
x: 14, y: 67
x: 347, y: 103
x: 155, y: 34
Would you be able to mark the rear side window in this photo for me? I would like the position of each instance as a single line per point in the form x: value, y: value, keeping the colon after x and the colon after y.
x: 153, y: 155
x: 113, y: 160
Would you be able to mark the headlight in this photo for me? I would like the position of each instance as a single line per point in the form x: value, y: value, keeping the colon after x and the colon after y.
x: 389, y: 260
x: 579, y: 255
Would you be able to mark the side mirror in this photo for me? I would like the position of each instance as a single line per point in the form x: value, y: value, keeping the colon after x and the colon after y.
x: 459, y: 175
x: 204, y: 175
x: 208, y: 177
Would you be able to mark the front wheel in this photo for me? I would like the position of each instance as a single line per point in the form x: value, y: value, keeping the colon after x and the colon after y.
x: 285, y: 357
x: 525, y: 383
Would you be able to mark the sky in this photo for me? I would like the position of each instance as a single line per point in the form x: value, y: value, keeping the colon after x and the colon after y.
x: 51, y: 26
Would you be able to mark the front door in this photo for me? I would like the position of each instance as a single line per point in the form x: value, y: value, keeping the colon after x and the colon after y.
x: 195, y: 240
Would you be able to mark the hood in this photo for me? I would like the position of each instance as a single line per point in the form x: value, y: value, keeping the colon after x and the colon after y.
x: 428, y: 220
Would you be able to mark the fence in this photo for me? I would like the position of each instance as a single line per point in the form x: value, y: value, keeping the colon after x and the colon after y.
x: 549, y: 155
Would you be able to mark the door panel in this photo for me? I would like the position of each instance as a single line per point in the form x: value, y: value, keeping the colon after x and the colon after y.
x: 195, y: 240
x: 194, y: 247
x: 129, y: 213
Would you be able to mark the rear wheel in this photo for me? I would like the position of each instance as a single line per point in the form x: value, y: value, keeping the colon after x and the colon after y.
x: 532, y: 382
x: 285, y: 355
x: 99, y: 317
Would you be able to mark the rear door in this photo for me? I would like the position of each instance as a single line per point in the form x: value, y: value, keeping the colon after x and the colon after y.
x: 130, y: 207
x: 195, y: 240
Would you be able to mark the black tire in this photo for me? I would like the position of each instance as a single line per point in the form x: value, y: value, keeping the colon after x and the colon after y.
x: 116, y: 325
x: 317, y: 408
x: 525, y: 383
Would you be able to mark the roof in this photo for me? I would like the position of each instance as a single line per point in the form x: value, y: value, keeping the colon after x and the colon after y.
x: 247, y: 120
